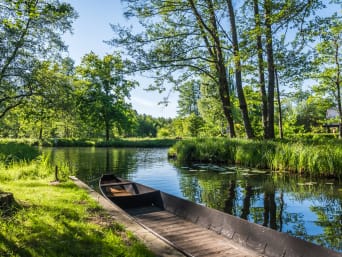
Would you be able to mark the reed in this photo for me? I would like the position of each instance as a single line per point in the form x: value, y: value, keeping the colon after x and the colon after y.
x: 15, y: 152
x: 309, y: 157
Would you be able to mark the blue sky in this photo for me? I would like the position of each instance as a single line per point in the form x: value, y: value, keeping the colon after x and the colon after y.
x: 91, y: 29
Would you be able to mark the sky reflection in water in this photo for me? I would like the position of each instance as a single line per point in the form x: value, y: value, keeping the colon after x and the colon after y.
x: 306, y: 208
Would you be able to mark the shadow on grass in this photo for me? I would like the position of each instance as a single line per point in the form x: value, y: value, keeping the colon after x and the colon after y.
x: 69, y: 235
x: 62, y: 229
x: 10, y: 248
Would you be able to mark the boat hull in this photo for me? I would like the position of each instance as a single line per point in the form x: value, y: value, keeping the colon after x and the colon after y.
x: 260, y: 239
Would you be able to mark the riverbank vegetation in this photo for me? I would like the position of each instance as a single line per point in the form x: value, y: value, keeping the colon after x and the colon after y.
x: 10, y: 147
x: 59, y: 219
x: 312, y: 158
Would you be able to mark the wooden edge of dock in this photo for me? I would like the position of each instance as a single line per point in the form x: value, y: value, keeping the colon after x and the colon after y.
x: 158, y: 246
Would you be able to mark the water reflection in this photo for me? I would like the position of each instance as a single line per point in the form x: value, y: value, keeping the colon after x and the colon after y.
x: 306, y: 208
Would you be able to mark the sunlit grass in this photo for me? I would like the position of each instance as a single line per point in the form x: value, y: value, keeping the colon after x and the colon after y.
x: 319, y: 159
x: 57, y: 220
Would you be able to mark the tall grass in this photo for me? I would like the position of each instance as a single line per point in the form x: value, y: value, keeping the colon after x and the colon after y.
x: 15, y: 152
x: 310, y: 157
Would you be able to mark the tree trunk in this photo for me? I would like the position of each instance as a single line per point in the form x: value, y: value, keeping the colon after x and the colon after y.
x: 338, y: 88
x: 210, y: 36
x: 281, y: 134
x: 270, y: 68
x: 238, y: 77
x: 6, y: 200
x: 225, y: 99
x: 261, y: 69
x: 40, y: 131
x: 107, y: 131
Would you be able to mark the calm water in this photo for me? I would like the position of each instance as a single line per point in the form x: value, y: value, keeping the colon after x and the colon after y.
x: 303, y: 207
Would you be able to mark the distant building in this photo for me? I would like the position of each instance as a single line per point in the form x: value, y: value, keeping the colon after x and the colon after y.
x: 331, y: 114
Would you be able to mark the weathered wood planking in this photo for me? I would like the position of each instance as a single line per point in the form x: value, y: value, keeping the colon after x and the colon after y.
x: 189, y: 237
x: 200, y: 231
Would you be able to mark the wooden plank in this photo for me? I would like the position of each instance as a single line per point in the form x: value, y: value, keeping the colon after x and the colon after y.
x: 155, y: 215
x: 171, y: 228
x: 162, y: 226
x: 190, y: 237
x: 208, y: 251
x: 143, y: 210
x: 184, y: 231
x: 185, y: 235
x: 199, y: 239
x: 116, y: 184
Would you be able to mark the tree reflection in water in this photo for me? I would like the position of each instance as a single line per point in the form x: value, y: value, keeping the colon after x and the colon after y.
x: 278, y: 201
x: 306, y: 208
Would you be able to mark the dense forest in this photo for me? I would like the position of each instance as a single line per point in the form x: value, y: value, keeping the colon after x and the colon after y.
x: 252, y: 68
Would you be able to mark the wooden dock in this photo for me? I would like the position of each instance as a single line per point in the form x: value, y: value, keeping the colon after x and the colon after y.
x: 191, y: 239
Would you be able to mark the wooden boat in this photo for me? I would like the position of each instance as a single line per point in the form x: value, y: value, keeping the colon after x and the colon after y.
x: 200, y: 231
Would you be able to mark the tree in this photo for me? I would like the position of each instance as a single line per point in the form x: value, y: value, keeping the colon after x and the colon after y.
x: 185, y: 40
x: 29, y: 31
x: 328, y: 60
x: 261, y: 71
x: 274, y: 42
x: 210, y: 110
x: 53, y: 99
x: 192, y: 125
x: 102, y: 91
x: 189, y: 94
x: 238, y: 71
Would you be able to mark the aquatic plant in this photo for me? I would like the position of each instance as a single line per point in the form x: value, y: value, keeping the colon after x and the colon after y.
x: 312, y: 157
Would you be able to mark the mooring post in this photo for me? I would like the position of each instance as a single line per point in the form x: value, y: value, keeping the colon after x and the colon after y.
x: 56, y: 173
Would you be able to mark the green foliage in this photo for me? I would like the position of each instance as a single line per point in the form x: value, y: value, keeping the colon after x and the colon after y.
x: 136, y: 142
x: 70, y: 142
x: 164, y: 132
x: 147, y: 126
x: 189, y: 94
x: 311, y: 157
x: 102, y: 91
x: 30, y: 31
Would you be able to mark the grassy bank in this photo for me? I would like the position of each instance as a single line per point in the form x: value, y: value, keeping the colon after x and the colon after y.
x: 314, y: 158
x: 57, y: 220
x: 17, y: 151
x: 76, y: 142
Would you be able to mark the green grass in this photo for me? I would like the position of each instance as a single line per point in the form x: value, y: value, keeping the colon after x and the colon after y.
x: 11, y: 151
x: 57, y: 220
x: 309, y: 157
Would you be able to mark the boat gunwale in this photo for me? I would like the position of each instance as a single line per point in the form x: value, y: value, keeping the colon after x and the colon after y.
x: 261, y: 239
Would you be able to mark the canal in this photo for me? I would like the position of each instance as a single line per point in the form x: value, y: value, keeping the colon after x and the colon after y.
x: 304, y: 207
